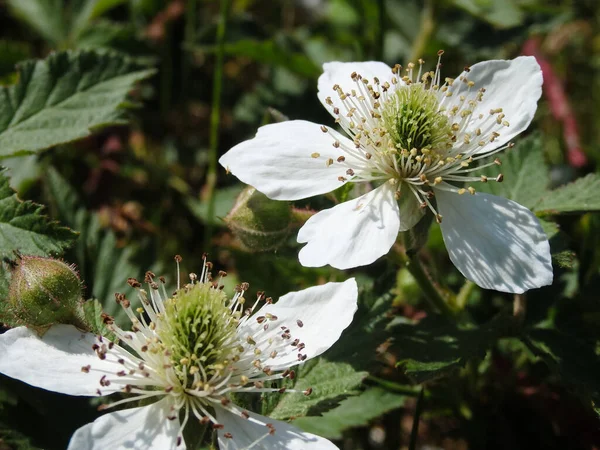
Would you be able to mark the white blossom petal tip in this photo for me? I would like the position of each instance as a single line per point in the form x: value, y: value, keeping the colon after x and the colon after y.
x: 145, y: 427
x: 55, y: 361
x: 495, y: 242
x: 289, y: 160
x: 313, y: 320
x: 353, y: 233
x: 253, y: 431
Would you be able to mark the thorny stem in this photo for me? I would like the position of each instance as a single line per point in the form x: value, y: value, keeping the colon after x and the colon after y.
x: 432, y: 294
x: 425, y: 31
x: 215, y: 115
x: 414, y: 433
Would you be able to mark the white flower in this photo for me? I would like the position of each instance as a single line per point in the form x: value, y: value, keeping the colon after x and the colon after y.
x: 189, y: 353
x: 414, y: 136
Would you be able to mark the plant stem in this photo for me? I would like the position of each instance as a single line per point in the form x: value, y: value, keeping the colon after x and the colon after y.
x: 425, y: 31
x: 433, y: 296
x: 191, y: 8
x: 380, y: 30
x: 414, y: 433
x: 464, y: 294
x: 519, y: 308
x: 215, y: 116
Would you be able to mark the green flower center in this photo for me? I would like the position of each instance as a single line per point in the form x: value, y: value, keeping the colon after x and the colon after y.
x: 413, y: 120
x: 199, y: 330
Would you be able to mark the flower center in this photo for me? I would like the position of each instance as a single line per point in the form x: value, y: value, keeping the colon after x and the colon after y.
x: 198, y: 329
x: 412, y: 119
x: 416, y: 131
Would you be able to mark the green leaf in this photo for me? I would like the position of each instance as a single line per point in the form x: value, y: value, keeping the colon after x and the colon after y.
x: 500, y: 13
x: 433, y: 347
x: 579, y: 196
x: 526, y: 176
x: 11, y: 52
x: 25, y: 228
x: 331, y: 382
x: 224, y: 201
x: 45, y: 17
x: 574, y: 359
x: 64, y: 98
x: 89, y: 10
x: 352, y: 412
x: 271, y: 53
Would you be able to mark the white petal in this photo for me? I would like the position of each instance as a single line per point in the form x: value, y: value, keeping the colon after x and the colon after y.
x: 254, y: 433
x: 351, y: 234
x: 54, y: 361
x: 513, y: 85
x: 288, y: 160
x: 316, y: 316
x: 143, y: 428
x: 495, y: 242
x: 340, y: 73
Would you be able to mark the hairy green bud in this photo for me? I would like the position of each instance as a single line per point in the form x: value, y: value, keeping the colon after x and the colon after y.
x: 44, y: 291
x: 261, y: 224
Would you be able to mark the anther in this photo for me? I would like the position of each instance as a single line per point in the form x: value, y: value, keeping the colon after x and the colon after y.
x: 315, y: 155
x: 500, y: 178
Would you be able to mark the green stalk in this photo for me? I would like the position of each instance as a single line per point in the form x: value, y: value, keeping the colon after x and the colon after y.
x: 414, y: 433
x: 425, y: 31
x: 189, y: 40
x: 215, y: 117
x: 380, y: 30
x: 432, y: 294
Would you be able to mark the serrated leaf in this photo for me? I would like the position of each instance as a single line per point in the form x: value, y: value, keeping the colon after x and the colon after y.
x: 526, y: 176
x: 352, y: 412
x: 433, y: 347
x: 64, y: 98
x: 25, y: 228
x: 574, y: 359
x: 331, y: 382
x: 579, y: 196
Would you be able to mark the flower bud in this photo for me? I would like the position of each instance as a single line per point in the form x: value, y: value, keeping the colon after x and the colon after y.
x: 44, y: 291
x: 261, y: 224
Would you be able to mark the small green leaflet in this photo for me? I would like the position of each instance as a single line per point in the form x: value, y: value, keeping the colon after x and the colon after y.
x: 352, y: 412
x: 64, y: 98
x: 25, y: 228
x: 526, y: 176
x: 433, y: 347
x: 330, y: 382
x: 578, y: 196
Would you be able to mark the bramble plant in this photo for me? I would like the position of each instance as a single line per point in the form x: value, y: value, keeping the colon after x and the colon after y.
x: 415, y: 266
